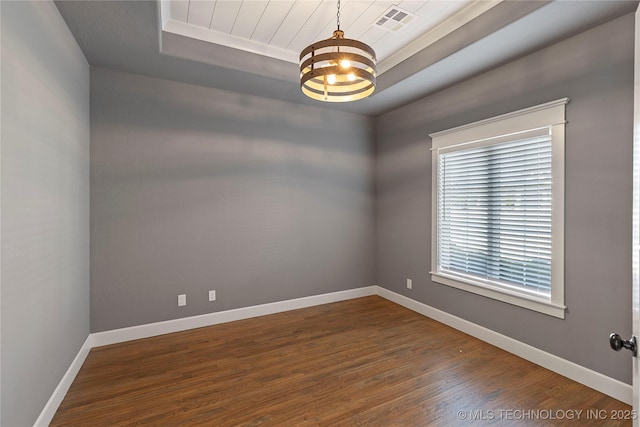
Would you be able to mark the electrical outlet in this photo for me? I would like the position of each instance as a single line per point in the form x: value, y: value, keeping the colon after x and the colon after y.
x: 409, y: 284
x: 212, y: 295
x: 182, y: 300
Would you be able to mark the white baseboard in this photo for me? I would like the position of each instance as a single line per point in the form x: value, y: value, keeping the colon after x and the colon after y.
x: 592, y: 379
x: 160, y: 328
x: 56, y: 398
x: 595, y: 380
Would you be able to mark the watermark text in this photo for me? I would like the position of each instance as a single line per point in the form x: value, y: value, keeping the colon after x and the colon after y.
x: 546, y: 414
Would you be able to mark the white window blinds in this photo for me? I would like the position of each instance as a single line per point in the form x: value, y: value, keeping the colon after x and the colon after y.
x: 494, y: 211
x: 497, y: 218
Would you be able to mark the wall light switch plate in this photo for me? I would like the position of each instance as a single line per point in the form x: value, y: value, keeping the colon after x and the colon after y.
x: 409, y: 284
x: 212, y: 295
x: 182, y: 300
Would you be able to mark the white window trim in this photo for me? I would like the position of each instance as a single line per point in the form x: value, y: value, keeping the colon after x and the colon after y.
x: 548, y: 115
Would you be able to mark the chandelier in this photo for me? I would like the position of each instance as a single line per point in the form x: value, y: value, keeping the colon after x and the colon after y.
x: 338, y: 69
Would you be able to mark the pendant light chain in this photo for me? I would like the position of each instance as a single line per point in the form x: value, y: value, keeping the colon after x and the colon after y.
x: 338, y: 15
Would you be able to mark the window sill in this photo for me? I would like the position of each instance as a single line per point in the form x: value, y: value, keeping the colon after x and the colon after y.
x: 504, y: 295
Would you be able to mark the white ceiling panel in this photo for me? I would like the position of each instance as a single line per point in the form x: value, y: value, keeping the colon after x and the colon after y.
x: 224, y: 15
x: 314, y: 29
x: 275, y: 11
x: 371, y: 37
x: 249, y: 15
x: 200, y: 12
x: 356, y: 29
x: 179, y: 9
x: 348, y: 13
x: 293, y: 22
x: 414, y: 6
x: 438, y: 10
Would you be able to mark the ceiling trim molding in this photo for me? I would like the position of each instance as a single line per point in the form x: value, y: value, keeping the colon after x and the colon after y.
x: 450, y: 25
x: 200, y: 51
x: 492, y: 20
x: 228, y: 40
x: 446, y: 27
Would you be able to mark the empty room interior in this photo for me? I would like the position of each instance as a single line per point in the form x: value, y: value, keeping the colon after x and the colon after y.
x: 308, y: 212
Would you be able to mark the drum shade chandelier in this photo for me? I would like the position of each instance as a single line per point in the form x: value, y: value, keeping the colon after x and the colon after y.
x: 338, y: 69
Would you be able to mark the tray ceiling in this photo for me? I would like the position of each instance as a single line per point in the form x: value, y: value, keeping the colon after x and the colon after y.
x: 281, y: 29
x: 144, y: 37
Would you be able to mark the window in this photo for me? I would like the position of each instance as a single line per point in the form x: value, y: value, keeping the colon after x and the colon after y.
x: 498, y: 208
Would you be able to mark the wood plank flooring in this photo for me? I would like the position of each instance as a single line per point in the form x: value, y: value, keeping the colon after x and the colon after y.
x: 363, y: 362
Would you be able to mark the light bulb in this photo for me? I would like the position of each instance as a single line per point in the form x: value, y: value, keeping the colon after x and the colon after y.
x: 345, y: 63
x: 351, y: 77
x: 331, y: 79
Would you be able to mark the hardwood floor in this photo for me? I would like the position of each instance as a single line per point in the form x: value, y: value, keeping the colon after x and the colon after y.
x: 363, y: 362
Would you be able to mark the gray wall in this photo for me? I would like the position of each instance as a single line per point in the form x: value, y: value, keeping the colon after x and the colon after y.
x: 194, y: 188
x: 45, y: 206
x: 595, y: 70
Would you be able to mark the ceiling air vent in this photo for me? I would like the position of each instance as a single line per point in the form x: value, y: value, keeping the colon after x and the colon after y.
x: 394, y: 19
